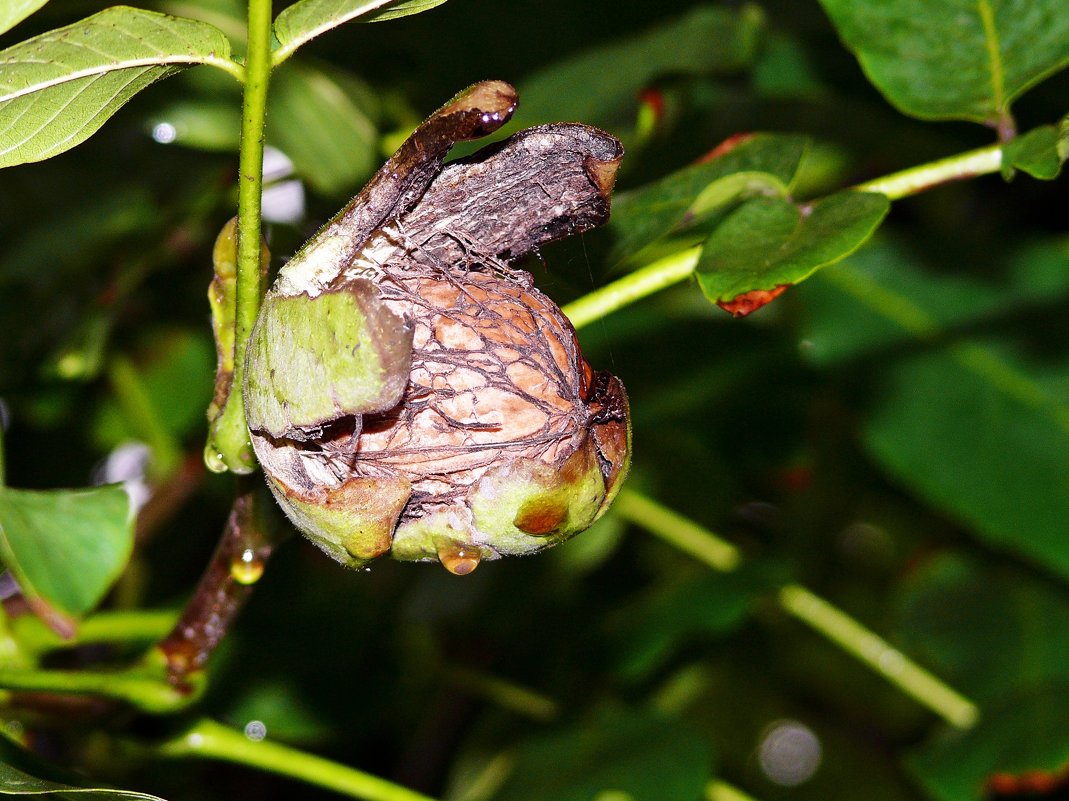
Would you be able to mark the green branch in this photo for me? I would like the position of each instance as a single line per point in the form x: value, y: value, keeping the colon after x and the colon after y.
x: 212, y: 740
x: 722, y: 791
x: 678, y: 531
x: 633, y: 286
x: 132, y: 627
x: 879, y: 655
x: 231, y: 435
x: 672, y: 269
x: 834, y: 624
x: 138, y: 687
x: 923, y: 177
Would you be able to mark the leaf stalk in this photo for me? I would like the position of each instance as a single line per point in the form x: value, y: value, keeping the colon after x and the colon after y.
x: 676, y: 267
x: 211, y: 740
x: 823, y: 617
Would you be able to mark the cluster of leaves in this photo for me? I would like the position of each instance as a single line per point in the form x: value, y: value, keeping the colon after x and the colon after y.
x: 893, y: 431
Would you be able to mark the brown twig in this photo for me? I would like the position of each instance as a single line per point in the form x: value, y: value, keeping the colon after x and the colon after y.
x: 236, y: 565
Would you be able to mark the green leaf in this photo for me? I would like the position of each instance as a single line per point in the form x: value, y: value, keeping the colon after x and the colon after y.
x: 975, y: 429
x: 66, y: 546
x: 657, y: 624
x: 307, y: 19
x: 15, y: 782
x: 1025, y: 735
x: 321, y: 121
x: 600, y: 86
x: 646, y: 757
x: 12, y: 12
x: 768, y: 242
x: 1035, y: 152
x: 979, y: 433
x: 175, y: 369
x: 991, y: 632
x: 954, y: 59
x: 405, y: 8
x: 58, y: 88
x: 763, y: 164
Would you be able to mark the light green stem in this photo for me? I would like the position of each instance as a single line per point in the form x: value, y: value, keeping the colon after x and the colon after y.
x: 231, y: 432
x: 212, y: 740
x: 684, y: 534
x: 879, y: 655
x: 633, y: 286
x: 672, y: 269
x: 133, y: 626
x: 722, y: 791
x: 832, y: 623
x: 504, y: 693
x: 3, y: 469
x: 136, y: 687
x: 917, y: 179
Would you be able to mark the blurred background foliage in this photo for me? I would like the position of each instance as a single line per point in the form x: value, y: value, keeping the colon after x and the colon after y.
x: 894, y: 432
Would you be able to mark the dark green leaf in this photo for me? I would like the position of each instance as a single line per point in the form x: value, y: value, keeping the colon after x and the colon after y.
x: 1035, y: 152
x: 981, y: 434
x: 763, y: 164
x: 885, y: 301
x: 15, y: 782
x: 12, y: 12
x: 66, y: 546
x: 176, y: 373
x: 768, y: 242
x: 601, y: 85
x: 321, y: 121
x: 973, y: 427
x: 991, y: 632
x: 954, y: 59
x: 1027, y: 734
x: 58, y: 88
x: 646, y: 757
x: 657, y: 624
x: 307, y: 19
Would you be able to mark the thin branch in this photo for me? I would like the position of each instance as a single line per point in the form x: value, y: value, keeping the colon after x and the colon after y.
x: 235, y: 566
x: 722, y: 791
x: 654, y: 277
x: 212, y: 740
x: 879, y: 655
x: 802, y: 604
x: 140, y: 687
x: 923, y: 177
x: 676, y: 267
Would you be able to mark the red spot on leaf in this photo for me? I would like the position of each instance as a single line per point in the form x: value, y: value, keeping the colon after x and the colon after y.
x: 749, y: 302
x: 726, y: 146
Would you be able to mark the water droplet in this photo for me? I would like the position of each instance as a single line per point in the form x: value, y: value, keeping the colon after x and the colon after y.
x: 213, y: 460
x: 458, y: 558
x: 789, y: 753
x: 247, y: 568
x: 255, y: 730
x: 164, y: 133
